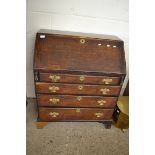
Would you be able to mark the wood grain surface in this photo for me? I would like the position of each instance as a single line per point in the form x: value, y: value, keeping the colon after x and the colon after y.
x: 42, y: 87
x: 76, y: 101
x: 74, y: 114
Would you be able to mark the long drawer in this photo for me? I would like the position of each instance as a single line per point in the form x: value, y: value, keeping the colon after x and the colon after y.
x: 87, y: 79
x: 57, y: 88
x: 58, y: 114
x: 75, y: 101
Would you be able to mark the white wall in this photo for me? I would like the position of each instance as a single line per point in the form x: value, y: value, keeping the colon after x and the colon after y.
x: 95, y: 16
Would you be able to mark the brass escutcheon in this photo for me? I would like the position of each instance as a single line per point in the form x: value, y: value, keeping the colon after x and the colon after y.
x: 79, y: 98
x: 98, y: 114
x: 107, y: 81
x: 80, y: 87
x: 54, y: 100
x: 82, y: 77
x: 78, y: 110
x: 105, y: 90
x: 82, y: 41
x: 54, y: 114
x: 53, y: 89
x: 101, y: 102
x: 54, y: 78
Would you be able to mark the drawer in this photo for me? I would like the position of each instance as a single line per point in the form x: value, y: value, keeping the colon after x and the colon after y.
x: 68, y: 78
x: 57, y: 88
x: 58, y: 114
x: 75, y: 101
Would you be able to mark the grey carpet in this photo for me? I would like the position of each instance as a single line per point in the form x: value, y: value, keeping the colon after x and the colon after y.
x: 73, y: 138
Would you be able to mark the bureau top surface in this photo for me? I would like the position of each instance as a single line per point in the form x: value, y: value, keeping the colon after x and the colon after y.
x: 72, y: 51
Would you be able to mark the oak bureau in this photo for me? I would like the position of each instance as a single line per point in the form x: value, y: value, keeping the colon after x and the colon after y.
x: 78, y: 77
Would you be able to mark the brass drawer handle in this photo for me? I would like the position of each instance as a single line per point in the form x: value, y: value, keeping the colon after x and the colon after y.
x: 53, y: 89
x: 107, y: 81
x: 54, y: 114
x: 80, y: 87
x: 105, y: 90
x: 82, y: 78
x: 82, y: 41
x: 101, y: 102
x: 54, y: 100
x: 98, y: 114
x: 54, y: 78
x: 79, y: 98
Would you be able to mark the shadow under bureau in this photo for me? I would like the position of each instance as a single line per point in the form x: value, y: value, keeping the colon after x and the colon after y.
x: 78, y: 77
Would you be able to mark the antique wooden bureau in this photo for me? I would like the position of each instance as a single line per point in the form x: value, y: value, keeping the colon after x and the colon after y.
x: 78, y: 77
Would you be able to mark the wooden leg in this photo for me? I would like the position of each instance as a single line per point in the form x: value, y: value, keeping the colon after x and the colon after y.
x: 108, y: 125
x: 40, y: 125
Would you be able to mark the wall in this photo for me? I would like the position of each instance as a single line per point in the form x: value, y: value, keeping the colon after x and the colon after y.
x: 95, y: 16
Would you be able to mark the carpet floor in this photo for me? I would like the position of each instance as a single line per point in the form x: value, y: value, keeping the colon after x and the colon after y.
x: 73, y: 138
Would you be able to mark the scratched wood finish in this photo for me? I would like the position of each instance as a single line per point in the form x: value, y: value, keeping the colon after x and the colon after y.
x: 76, y: 101
x: 69, y: 78
x: 42, y: 87
x: 74, y: 114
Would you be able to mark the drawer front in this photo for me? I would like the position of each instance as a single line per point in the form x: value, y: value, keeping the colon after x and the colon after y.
x: 56, y: 114
x: 75, y: 101
x: 68, y: 78
x: 57, y: 88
